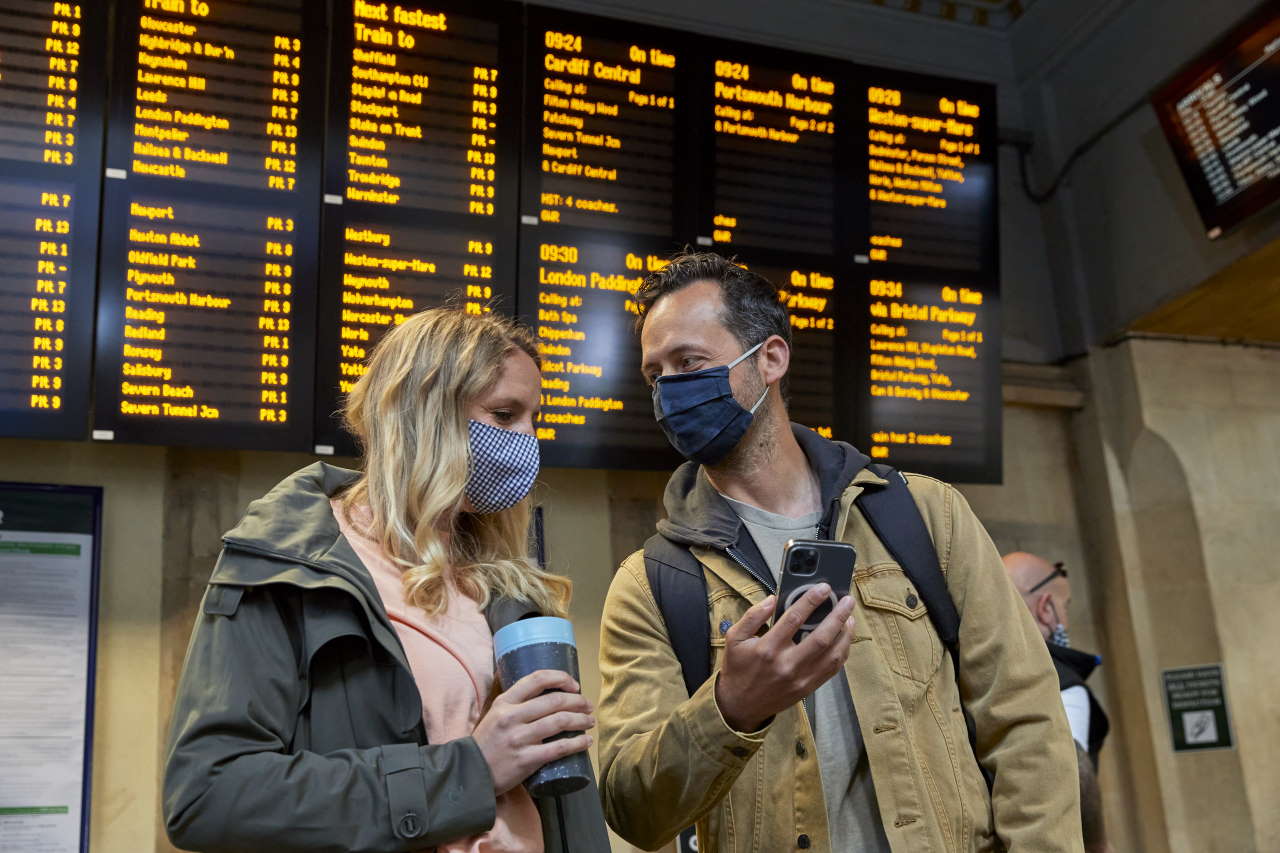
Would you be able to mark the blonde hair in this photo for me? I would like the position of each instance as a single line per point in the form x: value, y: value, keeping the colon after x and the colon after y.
x: 409, y: 413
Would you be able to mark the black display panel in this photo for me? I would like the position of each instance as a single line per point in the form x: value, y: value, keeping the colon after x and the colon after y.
x: 608, y: 193
x: 52, y: 88
x: 601, y: 133
x: 1222, y: 118
x: 816, y: 379
x: 924, y: 329
x: 257, y: 240
x: 207, y: 296
x: 421, y: 178
x: 775, y: 176
x: 596, y: 409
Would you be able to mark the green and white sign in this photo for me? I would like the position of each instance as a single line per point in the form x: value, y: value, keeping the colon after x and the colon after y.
x: 1197, y: 701
x: 48, y: 590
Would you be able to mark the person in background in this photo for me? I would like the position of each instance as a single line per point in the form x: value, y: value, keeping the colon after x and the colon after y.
x: 854, y: 737
x: 338, y: 692
x: 1047, y: 593
x: 1093, y: 829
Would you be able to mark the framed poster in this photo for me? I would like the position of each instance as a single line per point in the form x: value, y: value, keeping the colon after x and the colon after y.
x: 49, y: 559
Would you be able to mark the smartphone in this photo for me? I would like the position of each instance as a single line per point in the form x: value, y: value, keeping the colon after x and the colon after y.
x: 807, y: 563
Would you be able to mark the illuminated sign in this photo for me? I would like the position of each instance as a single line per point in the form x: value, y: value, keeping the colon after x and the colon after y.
x: 51, y: 90
x: 775, y: 146
x: 601, y: 110
x: 927, y: 325
x: 425, y: 149
x: 498, y: 157
x: 1222, y: 119
x: 207, y: 296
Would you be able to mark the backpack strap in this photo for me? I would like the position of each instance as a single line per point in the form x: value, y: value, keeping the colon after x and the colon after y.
x: 895, y: 519
x: 680, y: 590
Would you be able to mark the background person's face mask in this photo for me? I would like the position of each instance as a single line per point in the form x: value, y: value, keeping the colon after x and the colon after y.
x: 1058, y: 635
x: 504, y: 464
x: 699, y: 414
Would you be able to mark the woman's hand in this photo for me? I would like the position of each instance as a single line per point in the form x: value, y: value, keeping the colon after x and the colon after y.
x: 511, y: 734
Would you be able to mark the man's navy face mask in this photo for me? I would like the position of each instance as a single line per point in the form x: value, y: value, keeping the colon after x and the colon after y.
x: 698, y: 413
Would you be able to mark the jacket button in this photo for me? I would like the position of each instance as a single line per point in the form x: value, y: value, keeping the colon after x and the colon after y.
x: 803, y: 842
x: 912, y: 601
x: 800, y: 750
x: 410, y: 826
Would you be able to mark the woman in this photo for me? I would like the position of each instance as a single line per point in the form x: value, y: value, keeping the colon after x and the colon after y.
x: 336, y: 692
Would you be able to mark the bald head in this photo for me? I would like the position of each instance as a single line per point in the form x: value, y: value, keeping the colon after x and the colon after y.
x: 1048, y: 603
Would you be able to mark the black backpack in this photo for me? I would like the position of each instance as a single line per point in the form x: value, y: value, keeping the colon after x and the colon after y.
x: 680, y: 589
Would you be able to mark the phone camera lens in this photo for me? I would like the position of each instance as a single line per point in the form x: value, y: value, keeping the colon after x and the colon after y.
x: 806, y: 561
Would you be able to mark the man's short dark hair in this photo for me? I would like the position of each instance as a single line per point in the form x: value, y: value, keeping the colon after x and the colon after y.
x: 752, y: 311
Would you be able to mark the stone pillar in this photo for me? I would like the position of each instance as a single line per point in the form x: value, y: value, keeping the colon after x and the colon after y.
x: 1180, y: 449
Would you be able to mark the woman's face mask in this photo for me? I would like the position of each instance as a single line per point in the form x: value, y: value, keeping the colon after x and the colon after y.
x: 504, y: 465
x: 699, y: 414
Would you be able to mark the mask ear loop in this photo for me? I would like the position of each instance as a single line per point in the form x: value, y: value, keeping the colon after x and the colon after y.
x: 731, y: 365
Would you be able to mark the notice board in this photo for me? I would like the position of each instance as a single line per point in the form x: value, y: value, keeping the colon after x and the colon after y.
x: 49, y: 557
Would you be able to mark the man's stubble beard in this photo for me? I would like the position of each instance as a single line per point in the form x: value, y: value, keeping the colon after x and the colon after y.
x: 757, y: 445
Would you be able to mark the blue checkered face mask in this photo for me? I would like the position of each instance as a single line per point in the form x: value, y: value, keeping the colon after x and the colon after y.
x: 699, y: 414
x: 504, y: 465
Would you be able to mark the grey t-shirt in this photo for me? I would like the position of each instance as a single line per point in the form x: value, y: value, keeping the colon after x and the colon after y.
x: 852, y: 814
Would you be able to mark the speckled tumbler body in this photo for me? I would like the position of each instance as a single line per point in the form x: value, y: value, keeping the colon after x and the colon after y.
x: 573, y: 772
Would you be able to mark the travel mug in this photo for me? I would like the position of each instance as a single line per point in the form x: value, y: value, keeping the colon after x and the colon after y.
x: 524, y: 647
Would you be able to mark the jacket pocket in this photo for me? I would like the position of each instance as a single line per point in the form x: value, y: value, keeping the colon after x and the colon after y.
x: 725, y: 608
x: 899, y: 621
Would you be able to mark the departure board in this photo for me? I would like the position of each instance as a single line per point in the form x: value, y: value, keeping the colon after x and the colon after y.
x: 52, y: 86
x: 602, y: 147
x: 421, y: 178
x: 1222, y: 117
x: 596, y: 408
x: 606, y: 192
x: 207, y: 295
x: 814, y: 380
x: 775, y: 178
x: 927, y: 319
x: 285, y: 181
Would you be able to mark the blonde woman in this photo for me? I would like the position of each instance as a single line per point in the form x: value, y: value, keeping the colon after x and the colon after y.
x: 338, y: 693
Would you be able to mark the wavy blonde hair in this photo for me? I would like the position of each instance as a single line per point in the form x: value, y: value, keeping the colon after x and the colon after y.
x: 409, y: 413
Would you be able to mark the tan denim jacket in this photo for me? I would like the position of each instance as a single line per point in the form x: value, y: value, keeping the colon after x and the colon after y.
x: 669, y: 759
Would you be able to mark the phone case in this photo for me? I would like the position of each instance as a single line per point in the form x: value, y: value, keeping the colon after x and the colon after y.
x: 808, y: 562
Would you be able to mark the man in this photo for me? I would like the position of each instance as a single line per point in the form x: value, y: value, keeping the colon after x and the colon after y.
x: 854, y: 738
x: 1047, y: 593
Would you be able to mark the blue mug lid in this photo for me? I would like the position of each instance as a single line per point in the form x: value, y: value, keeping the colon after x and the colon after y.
x: 527, y: 632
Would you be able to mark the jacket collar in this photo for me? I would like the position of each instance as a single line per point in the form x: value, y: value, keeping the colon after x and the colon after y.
x: 293, y: 525
x: 697, y: 515
x: 1081, y: 663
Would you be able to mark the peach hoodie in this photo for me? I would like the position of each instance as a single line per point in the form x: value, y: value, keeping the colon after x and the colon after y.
x: 451, y: 656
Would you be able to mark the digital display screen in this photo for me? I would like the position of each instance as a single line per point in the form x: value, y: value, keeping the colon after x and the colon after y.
x: 206, y: 312
x: 52, y: 86
x: 775, y: 178
x: 420, y: 181
x: 814, y: 380
x: 1222, y: 117
x: 285, y: 181
x: 596, y: 408
x: 927, y: 319
x: 601, y: 101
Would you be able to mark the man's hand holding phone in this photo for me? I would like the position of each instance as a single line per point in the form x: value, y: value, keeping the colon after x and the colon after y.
x: 763, y: 674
